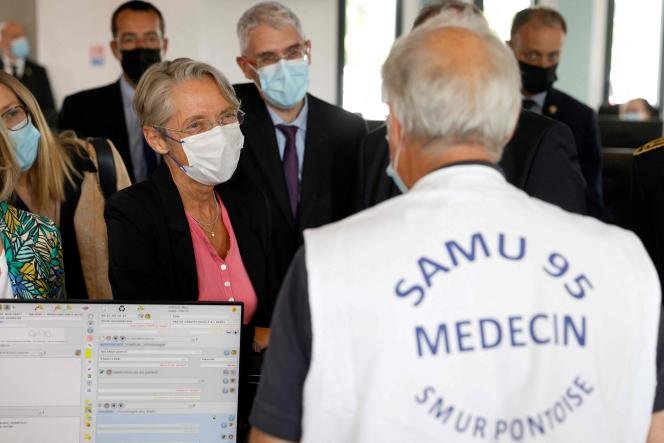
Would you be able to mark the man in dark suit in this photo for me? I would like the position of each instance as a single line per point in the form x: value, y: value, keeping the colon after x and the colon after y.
x: 299, y: 150
x: 15, y: 61
x: 536, y: 38
x: 107, y: 111
x: 540, y: 158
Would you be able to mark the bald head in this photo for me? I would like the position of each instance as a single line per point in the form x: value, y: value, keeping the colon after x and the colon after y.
x: 456, y: 49
x: 10, y: 31
x: 454, y: 81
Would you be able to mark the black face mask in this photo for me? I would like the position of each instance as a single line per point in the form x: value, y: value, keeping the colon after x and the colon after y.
x: 536, y: 79
x: 136, y: 61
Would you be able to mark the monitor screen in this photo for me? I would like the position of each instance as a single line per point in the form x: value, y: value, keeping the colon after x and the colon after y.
x: 111, y: 372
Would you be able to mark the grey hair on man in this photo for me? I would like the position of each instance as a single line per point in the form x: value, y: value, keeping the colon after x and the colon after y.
x: 153, y: 92
x: 441, y: 95
x: 270, y: 13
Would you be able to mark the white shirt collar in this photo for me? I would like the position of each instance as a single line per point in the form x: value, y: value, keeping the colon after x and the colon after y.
x: 538, y: 98
x: 127, y: 90
x: 7, y: 65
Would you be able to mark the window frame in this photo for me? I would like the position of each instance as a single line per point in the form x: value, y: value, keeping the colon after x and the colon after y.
x: 341, y: 37
x: 608, y: 49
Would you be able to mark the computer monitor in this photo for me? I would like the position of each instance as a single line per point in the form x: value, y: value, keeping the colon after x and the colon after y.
x: 616, y: 133
x: 119, y: 372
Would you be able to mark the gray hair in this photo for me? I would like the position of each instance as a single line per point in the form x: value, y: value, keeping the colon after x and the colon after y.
x: 273, y: 14
x: 436, y: 96
x: 152, y: 100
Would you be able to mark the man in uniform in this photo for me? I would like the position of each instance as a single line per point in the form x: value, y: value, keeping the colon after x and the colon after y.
x: 464, y: 309
x: 537, y: 38
x: 647, y: 199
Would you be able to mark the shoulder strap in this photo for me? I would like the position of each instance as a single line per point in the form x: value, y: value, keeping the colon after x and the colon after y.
x: 105, y: 165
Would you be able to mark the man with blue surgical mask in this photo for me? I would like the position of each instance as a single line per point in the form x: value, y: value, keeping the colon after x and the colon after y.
x: 15, y: 52
x: 300, y: 150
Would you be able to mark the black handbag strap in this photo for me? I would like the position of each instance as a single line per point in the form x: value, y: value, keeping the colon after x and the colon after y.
x: 105, y: 165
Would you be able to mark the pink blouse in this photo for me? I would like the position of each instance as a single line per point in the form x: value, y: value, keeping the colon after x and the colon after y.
x: 221, y: 279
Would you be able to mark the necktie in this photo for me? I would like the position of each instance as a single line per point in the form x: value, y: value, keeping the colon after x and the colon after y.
x: 290, y: 166
x: 150, y: 158
x: 14, y: 71
x: 528, y: 104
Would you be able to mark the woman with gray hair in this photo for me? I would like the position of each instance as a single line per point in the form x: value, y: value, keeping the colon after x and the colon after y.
x: 186, y: 233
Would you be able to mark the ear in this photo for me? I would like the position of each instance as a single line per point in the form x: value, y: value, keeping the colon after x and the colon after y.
x: 393, y: 127
x: 246, y: 68
x: 155, y: 140
x: 115, y: 50
x: 307, y: 44
x: 164, y: 47
x: 511, y: 43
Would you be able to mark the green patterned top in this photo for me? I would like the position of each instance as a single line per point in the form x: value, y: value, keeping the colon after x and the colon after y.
x: 34, y: 254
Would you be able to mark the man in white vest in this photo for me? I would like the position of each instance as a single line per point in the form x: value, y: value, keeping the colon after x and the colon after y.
x: 463, y: 310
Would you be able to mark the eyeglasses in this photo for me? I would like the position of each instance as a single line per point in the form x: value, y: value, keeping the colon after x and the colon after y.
x: 294, y: 52
x: 15, y: 118
x: 131, y: 41
x: 201, y: 125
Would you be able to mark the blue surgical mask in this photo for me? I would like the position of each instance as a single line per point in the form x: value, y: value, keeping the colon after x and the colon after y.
x: 20, y: 47
x: 26, y: 144
x: 391, y: 171
x: 285, y: 83
x: 634, y: 116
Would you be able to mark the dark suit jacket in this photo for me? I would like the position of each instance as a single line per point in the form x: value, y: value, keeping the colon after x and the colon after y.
x: 582, y: 120
x: 540, y: 159
x: 36, y: 80
x: 98, y: 112
x: 647, y: 200
x: 151, y: 255
x: 330, y: 166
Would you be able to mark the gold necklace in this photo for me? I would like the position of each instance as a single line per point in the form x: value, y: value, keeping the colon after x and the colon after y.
x: 212, y: 224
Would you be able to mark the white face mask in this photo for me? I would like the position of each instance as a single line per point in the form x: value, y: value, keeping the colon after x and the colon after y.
x: 212, y: 155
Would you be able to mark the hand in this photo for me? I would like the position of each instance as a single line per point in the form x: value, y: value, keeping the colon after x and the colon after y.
x: 261, y: 338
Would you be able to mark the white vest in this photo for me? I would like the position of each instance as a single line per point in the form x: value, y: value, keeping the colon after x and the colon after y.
x: 466, y: 311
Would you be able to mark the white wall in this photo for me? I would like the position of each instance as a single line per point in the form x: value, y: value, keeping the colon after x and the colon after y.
x: 199, y: 29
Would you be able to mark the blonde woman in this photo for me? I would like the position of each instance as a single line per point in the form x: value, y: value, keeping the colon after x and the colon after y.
x: 30, y: 250
x: 58, y: 180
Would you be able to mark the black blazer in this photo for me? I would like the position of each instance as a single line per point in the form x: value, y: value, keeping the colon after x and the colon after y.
x: 98, y: 112
x: 151, y: 255
x: 540, y: 158
x: 36, y: 80
x: 646, y: 215
x: 330, y: 167
x: 582, y: 120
